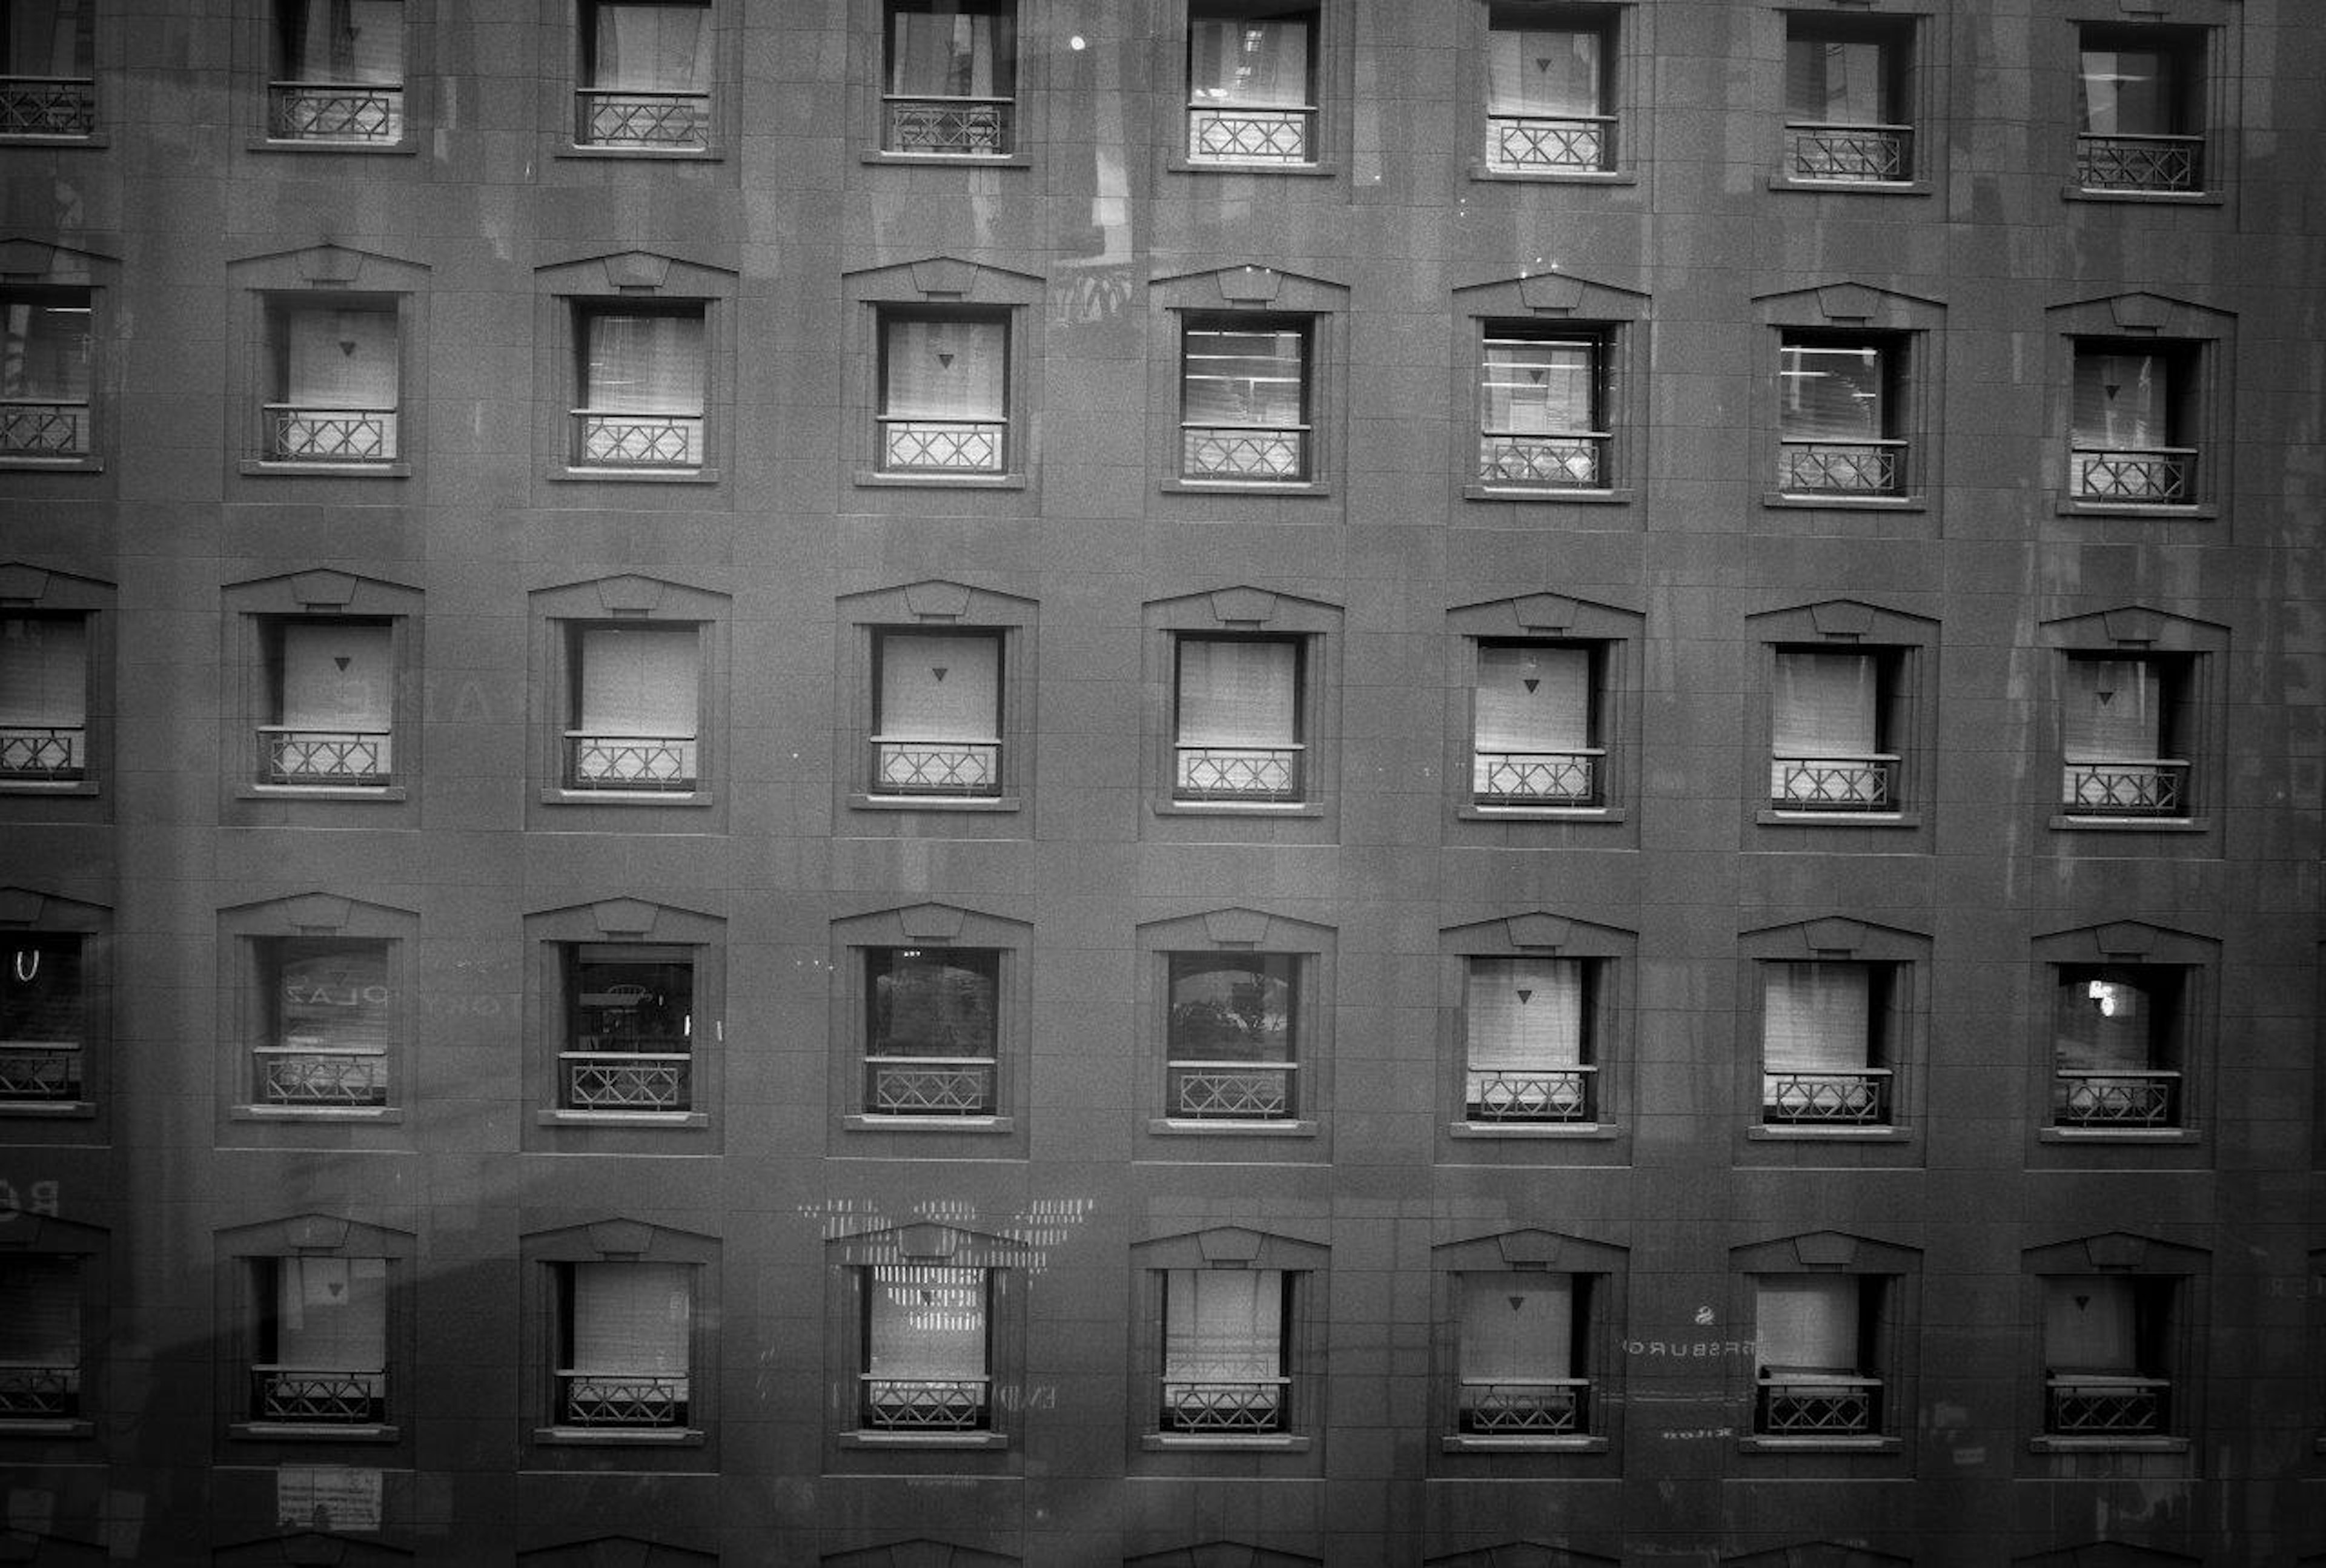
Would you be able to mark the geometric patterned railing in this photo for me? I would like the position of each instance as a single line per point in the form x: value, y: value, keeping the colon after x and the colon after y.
x: 329, y: 435
x: 1562, y: 143
x: 1793, y: 1404
x: 1504, y: 1094
x: 1244, y: 452
x: 932, y: 446
x: 304, y: 1075
x: 1219, y: 135
x: 319, y: 1394
x: 51, y: 752
x: 1535, y: 778
x: 1246, y: 773
x: 638, y: 441
x: 929, y: 1085
x: 2145, y: 476
x: 47, y: 106
x: 2115, y: 1099
x: 1574, y: 461
x: 961, y: 127
x: 1246, y: 1090
x: 322, y: 757
x: 642, y: 1399
x: 1826, y: 1097
x: 43, y: 427
x: 935, y: 767
x: 1832, y: 784
x: 328, y: 111
x: 2104, y: 1404
x: 2140, y: 163
x: 1839, y: 468
x: 40, y: 1070
x: 626, y: 1080
x: 29, y: 1392
x: 642, y: 119
x: 629, y: 761
x: 1865, y: 154
x: 1536, y: 1408
x: 1223, y: 1405
x: 924, y: 1404
x: 2126, y: 787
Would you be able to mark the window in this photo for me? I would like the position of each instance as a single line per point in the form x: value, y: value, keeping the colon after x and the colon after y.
x: 1817, y: 1340
x: 939, y: 387
x: 44, y: 685
x: 1548, y: 98
x: 1245, y: 409
x: 1826, y: 1053
x: 316, y: 697
x: 1223, y: 1342
x: 1251, y: 83
x: 330, y: 707
x: 336, y: 73
x: 1847, y: 99
x: 41, y: 1355
x: 2119, y: 1035
x: 1238, y: 706
x: 2125, y: 729
x: 1840, y: 1012
x: 944, y: 393
x: 937, y: 717
x: 2140, y: 111
x: 1242, y: 716
x: 1534, y: 1067
x: 629, y: 703
x: 1529, y: 1028
x: 926, y: 1344
x: 926, y: 1349
x: 2108, y: 1355
x: 2133, y: 422
x: 950, y: 88
x: 620, y: 1354
x: 1537, y: 737
x: 48, y: 84
x: 1840, y: 402
x: 644, y: 77
x: 43, y: 1020
x: 1237, y: 1035
x: 332, y: 393
x: 1234, y: 1037
x: 1521, y: 1353
x: 940, y: 677
x: 635, y: 693
x: 319, y: 1349
x: 46, y: 357
x: 639, y: 386
x: 630, y: 1027
x: 929, y: 1018
x: 327, y: 1020
x: 1542, y: 408
x: 932, y: 1032
x: 1833, y: 745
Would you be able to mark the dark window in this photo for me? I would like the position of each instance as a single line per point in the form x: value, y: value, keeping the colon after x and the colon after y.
x: 1251, y: 83
x: 629, y: 1036
x: 338, y: 72
x: 931, y: 1031
x: 1233, y: 1036
x: 644, y: 77
x: 952, y: 78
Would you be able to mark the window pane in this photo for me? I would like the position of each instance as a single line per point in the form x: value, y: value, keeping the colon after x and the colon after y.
x: 2126, y: 92
x: 1232, y: 1006
x: 2115, y: 1019
x: 1524, y: 1013
x: 2122, y: 399
x: 1837, y: 81
x: 652, y: 49
x: 939, y: 49
x: 632, y: 1318
x: 925, y: 1321
x: 336, y: 675
x: 1254, y: 376
x: 342, y: 41
x: 933, y: 1002
x: 1223, y: 1324
x: 2091, y: 1323
x: 330, y: 1313
x: 935, y: 687
x: 1238, y: 693
x: 330, y: 993
x: 1544, y: 72
x: 943, y: 369
x: 1533, y: 698
x: 636, y: 681
x: 1831, y: 392
x: 44, y: 348
x: 46, y: 37
x: 1817, y: 1017
x: 1517, y: 1328
x: 40, y: 1311
x: 1537, y: 387
x: 1807, y: 1321
x: 1254, y: 61
x: 1825, y: 705
x: 642, y: 364
x: 632, y: 997
x: 44, y: 671
x: 340, y: 358
x: 40, y: 989
x: 2113, y: 711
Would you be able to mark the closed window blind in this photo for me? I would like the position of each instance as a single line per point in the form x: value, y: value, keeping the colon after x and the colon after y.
x: 936, y: 686
x: 1238, y: 693
x: 330, y: 1313
x: 944, y: 369
x: 1808, y: 1321
x: 2122, y: 399
x: 1524, y: 1013
x: 44, y: 671
x: 2092, y: 1322
x: 1533, y: 698
x: 642, y: 363
x: 924, y: 1322
x: 1245, y: 376
x: 1252, y: 62
x: 1837, y: 81
x: 1517, y: 1328
x: 330, y: 993
x: 1542, y: 73
x: 1817, y: 1017
x: 340, y: 358
x: 2114, y: 711
x: 1537, y: 386
x: 40, y: 1312
x: 1831, y: 392
x: 632, y: 1318
x: 341, y: 40
x: 945, y: 48
x: 338, y: 675
x: 1222, y: 1324
x: 1825, y: 705
x: 651, y: 49
x: 639, y: 680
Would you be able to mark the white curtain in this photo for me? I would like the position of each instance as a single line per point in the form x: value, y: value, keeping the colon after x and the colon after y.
x: 632, y: 1317
x: 44, y: 671
x: 342, y: 41
x: 653, y: 48
x: 642, y: 364
x: 1836, y: 81
x: 1831, y: 392
x: 639, y: 680
x: 1250, y: 376
x: 1824, y: 705
x: 1542, y: 73
x: 1530, y: 387
x: 1252, y: 62
x: 2122, y: 399
x: 332, y: 993
x: 1238, y: 692
x: 944, y: 370
x: 1815, y: 1018
x: 2124, y: 92
x: 940, y: 687
x: 40, y: 1310
x: 1517, y: 1328
x: 2124, y: 725
x: 2092, y: 1322
x: 925, y: 1321
x: 44, y: 353
x: 330, y: 1313
x: 338, y: 675
x: 1524, y: 1013
x: 1806, y: 1321
x: 339, y: 356
x: 947, y: 50
x: 1533, y: 698
x: 1224, y: 1323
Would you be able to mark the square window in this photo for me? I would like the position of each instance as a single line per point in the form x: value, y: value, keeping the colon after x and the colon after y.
x: 945, y: 391
x: 332, y: 390
x: 1224, y: 1362
x: 926, y: 1349
x: 1841, y: 414
x: 1536, y: 730
x: 623, y: 1346
x: 48, y: 84
x: 937, y: 713
x: 2109, y: 1352
x: 327, y: 717
x: 319, y: 1342
x: 950, y: 88
x: 2120, y: 1045
x: 1833, y: 720
x: 1826, y: 1058
x: 932, y: 1032
x: 1820, y: 1343
x: 2140, y: 111
x: 1542, y: 408
x: 1530, y: 1028
x: 327, y: 1015
x: 634, y: 696
x: 2126, y: 737
x: 1232, y: 1037
x: 44, y: 698
x: 639, y: 386
x: 47, y: 350
x: 2132, y: 423
x: 1549, y: 104
x: 1251, y: 83
x: 644, y: 77
x: 336, y: 73
x: 1237, y: 731
x: 1522, y: 1355
x: 630, y: 1027
x: 44, y: 1021
x: 1847, y: 98
x: 41, y: 1313
x: 1246, y: 408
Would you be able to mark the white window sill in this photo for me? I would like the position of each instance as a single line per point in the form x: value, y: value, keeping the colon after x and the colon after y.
x: 1871, y: 1444
x: 651, y: 154
x: 313, y: 1431
x: 1229, y: 1127
x: 1454, y: 1442
x: 42, y: 786
x: 1555, y: 176
x: 392, y: 793
x: 1550, y: 495
x: 404, y: 146
x: 2116, y: 1135
x: 1179, y: 164
x: 2153, y: 512
x: 1171, y: 808
x: 1474, y: 813
x: 1254, y: 488
x: 877, y: 479
x: 561, y: 797
x: 947, y: 160
x: 45, y: 1426
x: 567, y: 474
x: 93, y: 139
x: 674, y: 1120
x: 2131, y: 824
x: 932, y: 802
x: 942, y: 1441
x: 2144, y: 198
x: 1771, y: 1132
x: 620, y: 1436
x: 1248, y: 1443
x: 1853, y: 187
x: 259, y: 468
x: 860, y: 1122
x: 75, y: 463
x: 2107, y: 1446
x: 50, y: 1109
x: 1580, y: 1131
x: 1842, y: 501
x: 380, y: 1115
x: 1773, y: 817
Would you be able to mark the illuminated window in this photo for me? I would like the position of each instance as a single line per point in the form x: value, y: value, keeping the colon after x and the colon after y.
x: 951, y: 85
x: 1549, y: 101
x: 46, y: 375
x: 1251, y: 83
x: 645, y: 75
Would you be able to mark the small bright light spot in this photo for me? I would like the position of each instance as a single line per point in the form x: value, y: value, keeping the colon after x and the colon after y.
x: 1076, y: 43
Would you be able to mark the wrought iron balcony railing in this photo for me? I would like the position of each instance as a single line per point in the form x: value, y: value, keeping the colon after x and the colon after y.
x: 949, y: 127
x: 323, y: 1395
x: 2136, y: 476
x: 36, y: 1391
x: 621, y: 1399
x: 929, y: 1085
x: 335, y: 111
x: 1528, y: 1407
x: 2166, y: 164
x: 1859, y: 1098
x: 1551, y: 143
x: 299, y: 434
x: 924, y: 1404
x: 2106, y: 1404
x: 2126, y: 787
x: 49, y: 753
x: 1237, y: 772
x: 935, y: 767
x: 612, y: 117
x: 327, y: 1076
x: 1535, y: 778
x: 629, y: 761
x: 45, y: 427
x: 1269, y: 454
x: 1220, y: 134
x: 1825, y: 467
x: 1834, y: 784
x: 1849, y: 155
x: 1225, y: 1404
x: 626, y: 1080
x: 623, y: 439
x: 1800, y: 1402
x: 1565, y: 460
x: 47, y: 106
x: 40, y: 1070
x: 1232, y: 1090
x: 1530, y: 1094
x: 324, y: 757
x: 2117, y: 1098
x: 943, y: 446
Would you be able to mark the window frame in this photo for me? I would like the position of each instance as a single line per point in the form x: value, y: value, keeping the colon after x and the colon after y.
x: 1293, y: 1443
x: 1621, y: 140
x: 295, y: 432
x: 259, y: 614
x: 943, y: 288
x: 269, y: 290
x: 1909, y: 333
x: 936, y: 608
x: 247, y: 1257
x: 1873, y: 466
x: 409, y: 101
x: 1614, y: 637
x: 1224, y: 324
x: 1905, y: 651
x: 1322, y: 119
x: 71, y: 115
x: 1888, y: 1329
x: 1305, y: 952
x: 1248, y: 615
x: 1908, y: 140
x: 2173, y: 1280
x: 1590, y: 1439
x: 577, y: 72
x: 79, y: 416
x: 1554, y: 306
x: 1897, y: 965
x: 547, y: 1261
x: 77, y: 1115
x: 250, y: 939
x: 2198, y: 345
x: 36, y: 1434
x: 856, y: 1441
x: 2190, y: 163
x: 34, y: 593
x: 631, y: 283
x: 1253, y: 297
x: 1607, y: 1020
x: 1010, y: 130
x: 2192, y: 658
x: 2183, y: 1050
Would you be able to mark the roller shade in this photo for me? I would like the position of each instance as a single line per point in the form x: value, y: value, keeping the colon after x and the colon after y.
x: 1530, y: 387
x: 1837, y: 81
x: 1831, y: 392
x: 340, y: 358
x: 44, y: 671
x: 1807, y: 1321
x: 1223, y: 1324
x: 331, y: 993
x: 342, y: 41
x: 1517, y: 1328
x: 643, y: 363
x: 1524, y: 1013
x: 1238, y: 693
x: 632, y: 1318
x: 40, y: 1311
x: 1549, y: 73
x: 939, y: 687
x: 1245, y: 376
x: 944, y: 370
x: 925, y: 1321
x: 2092, y: 1322
x: 1533, y: 698
x: 338, y: 675
x: 651, y: 49
x: 2122, y: 399
x: 1824, y: 705
x: 2126, y: 92
x: 639, y: 680
x: 1255, y: 62
x: 943, y: 50
x: 1815, y: 1018
x: 2114, y: 711
x: 330, y: 1313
